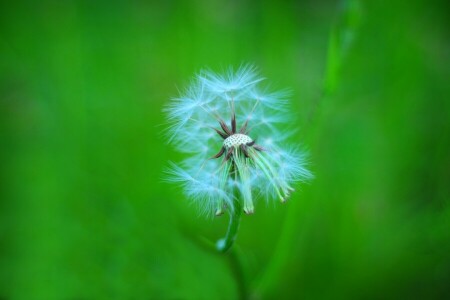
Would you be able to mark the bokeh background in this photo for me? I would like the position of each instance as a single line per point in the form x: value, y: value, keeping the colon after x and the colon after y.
x: 84, y: 213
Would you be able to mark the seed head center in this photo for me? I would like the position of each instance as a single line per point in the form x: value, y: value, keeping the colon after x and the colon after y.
x: 236, y: 140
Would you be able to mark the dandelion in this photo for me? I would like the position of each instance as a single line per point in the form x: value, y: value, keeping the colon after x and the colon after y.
x: 233, y: 131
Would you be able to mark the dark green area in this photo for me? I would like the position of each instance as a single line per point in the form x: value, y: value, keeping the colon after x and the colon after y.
x: 84, y: 213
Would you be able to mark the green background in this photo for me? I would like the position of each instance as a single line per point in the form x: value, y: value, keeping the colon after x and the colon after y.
x: 84, y: 213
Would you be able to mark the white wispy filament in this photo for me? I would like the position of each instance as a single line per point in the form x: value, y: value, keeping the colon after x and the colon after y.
x: 233, y: 133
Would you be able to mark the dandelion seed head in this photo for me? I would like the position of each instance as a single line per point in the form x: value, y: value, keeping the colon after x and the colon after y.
x: 234, y: 133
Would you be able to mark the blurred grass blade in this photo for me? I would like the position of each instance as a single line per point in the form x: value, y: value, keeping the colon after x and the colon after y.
x: 341, y: 37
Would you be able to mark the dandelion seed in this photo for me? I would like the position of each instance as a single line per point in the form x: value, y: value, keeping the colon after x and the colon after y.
x: 233, y: 115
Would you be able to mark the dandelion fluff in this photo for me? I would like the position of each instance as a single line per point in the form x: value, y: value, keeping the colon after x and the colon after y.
x: 232, y: 130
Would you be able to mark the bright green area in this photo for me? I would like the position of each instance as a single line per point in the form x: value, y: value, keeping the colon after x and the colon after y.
x: 84, y: 213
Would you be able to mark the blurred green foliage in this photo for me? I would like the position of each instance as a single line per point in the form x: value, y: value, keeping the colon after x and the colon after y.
x: 84, y: 213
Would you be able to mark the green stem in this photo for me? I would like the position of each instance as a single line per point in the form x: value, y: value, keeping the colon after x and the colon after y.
x: 235, y: 262
x: 235, y: 217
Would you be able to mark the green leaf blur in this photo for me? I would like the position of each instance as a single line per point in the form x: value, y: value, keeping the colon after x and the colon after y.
x: 85, y: 214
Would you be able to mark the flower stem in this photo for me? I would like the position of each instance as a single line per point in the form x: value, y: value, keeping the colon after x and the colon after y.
x: 235, y: 217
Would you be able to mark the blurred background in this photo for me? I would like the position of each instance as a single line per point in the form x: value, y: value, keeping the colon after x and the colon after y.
x: 84, y: 213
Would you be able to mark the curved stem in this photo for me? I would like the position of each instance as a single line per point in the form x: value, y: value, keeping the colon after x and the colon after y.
x: 235, y: 217
x: 236, y: 265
